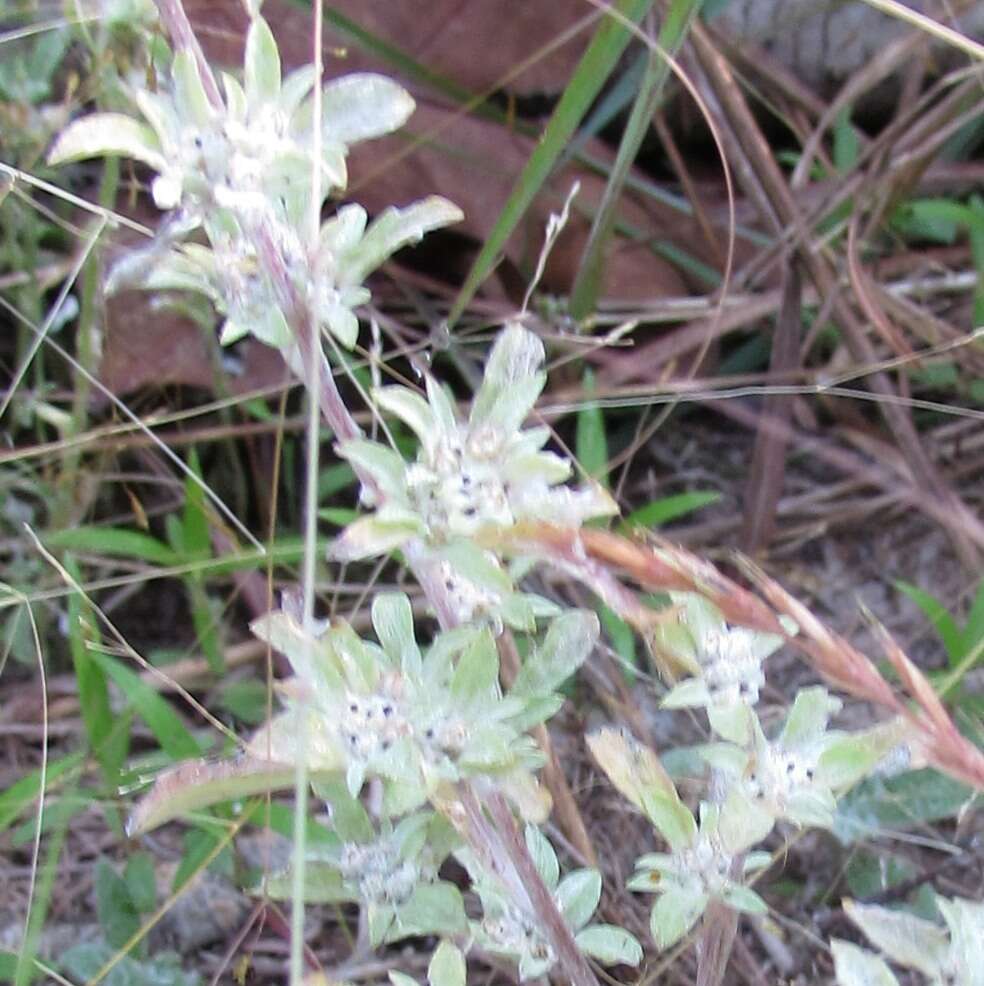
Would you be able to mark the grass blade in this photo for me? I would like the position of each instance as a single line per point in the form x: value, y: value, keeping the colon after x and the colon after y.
x: 589, y: 278
x: 594, y: 68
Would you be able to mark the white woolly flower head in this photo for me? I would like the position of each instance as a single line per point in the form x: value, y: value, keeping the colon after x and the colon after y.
x: 469, y: 474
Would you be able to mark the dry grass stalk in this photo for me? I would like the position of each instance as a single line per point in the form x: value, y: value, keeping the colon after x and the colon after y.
x: 594, y: 556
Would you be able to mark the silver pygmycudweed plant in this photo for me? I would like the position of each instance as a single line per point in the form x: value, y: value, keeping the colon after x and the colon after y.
x: 247, y: 163
x: 406, y: 744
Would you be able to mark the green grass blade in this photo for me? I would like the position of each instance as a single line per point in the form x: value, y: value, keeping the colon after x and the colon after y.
x: 668, y: 508
x: 944, y: 624
x: 197, y: 545
x: 594, y: 68
x: 90, y: 679
x: 973, y: 631
x: 592, y: 444
x: 22, y: 794
x: 113, y: 541
x: 674, y: 30
x: 173, y: 735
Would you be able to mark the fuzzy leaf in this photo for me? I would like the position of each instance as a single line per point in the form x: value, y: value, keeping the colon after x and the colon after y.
x: 410, y: 408
x: 323, y: 884
x: 392, y: 619
x: 610, y: 945
x: 433, y: 909
x: 375, y: 535
x: 631, y: 766
x: 261, y: 67
x: 516, y: 357
x: 393, y: 229
x: 544, y: 857
x: 343, y: 232
x: 363, y: 105
x: 903, y: 937
x: 384, y: 465
x: 447, y: 966
x: 577, y: 896
x: 102, y: 134
x: 567, y: 644
x: 674, y: 914
x: 200, y: 783
x: 476, y: 675
x: 671, y: 817
x: 807, y: 719
x: 744, y: 899
x: 856, y: 967
x: 965, y: 919
x: 191, y: 101
x: 478, y: 566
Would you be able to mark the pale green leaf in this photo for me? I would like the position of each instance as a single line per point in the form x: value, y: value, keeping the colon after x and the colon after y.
x: 965, y: 919
x: 376, y: 535
x: 631, y: 766
x: 476, y: 675
x: 447, y: 966
x: 672, y: 818
x: 807, y: 719
x: 516, y: 356
x: 343, y: 232
x: 392, y: 619
x: 433, y: 909
x: 393, y: 229
x: 295, y: 88
x: 903, y: 937
x: 543, y: 855
x: 102, y: 134
x: 744, y: 899
x: 567, y: 644
x: 411, y: 409
x: 856, y: 967
x: 380, y: 462
x: 363, y: 105
x: 200, y: 783
x: 261, y: 68
x: 477, y: 566
x: 674, y: 914
x: 577, y: 896
x: 610, y: 945
x: 191, y: 101
x: 235, y: 98
x: 322, y: 883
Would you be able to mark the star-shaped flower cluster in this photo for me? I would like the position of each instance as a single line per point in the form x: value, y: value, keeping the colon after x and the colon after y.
x: 468, y: 475
x: 244, y: 161
x: 414, y: 720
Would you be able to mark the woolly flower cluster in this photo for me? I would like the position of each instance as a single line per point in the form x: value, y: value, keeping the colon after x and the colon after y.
x: 477, y: 475
x: 468, y: 475
x: 241, y: 162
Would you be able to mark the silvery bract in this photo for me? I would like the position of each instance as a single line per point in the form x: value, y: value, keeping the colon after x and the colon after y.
x: 248, y: 164
x: 798, y: 776
x: 726, y: 663
x: 469, y: 475
x: 510, y: 927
